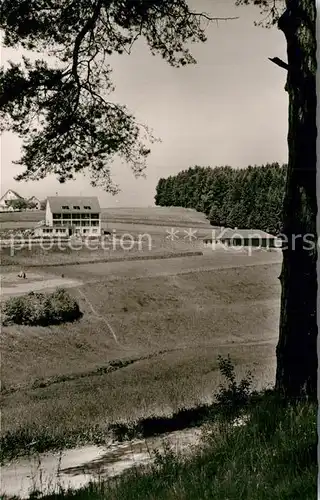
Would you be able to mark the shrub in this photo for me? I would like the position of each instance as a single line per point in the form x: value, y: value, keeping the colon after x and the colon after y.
x: 63, y: 306
x: 235, y: 396
x: 14, y: 311
x: 40, y: 309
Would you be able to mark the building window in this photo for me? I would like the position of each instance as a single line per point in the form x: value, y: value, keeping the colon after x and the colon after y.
x: 94, y: 216
x: 67, y: 216
x: 87, y: 207
x: 65, y: 207
x: 76, y: 207
x: 94, y: 230
x: 95, y: 223
x: 85, y: 231
x: 56, y: 216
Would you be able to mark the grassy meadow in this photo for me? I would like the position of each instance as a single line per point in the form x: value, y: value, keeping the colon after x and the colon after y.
x: 274, y: 455
x: 146, y: 351
x: 137, y: 234
x: 118, y: 217
x: 62, y: 384
x: 48, y: 254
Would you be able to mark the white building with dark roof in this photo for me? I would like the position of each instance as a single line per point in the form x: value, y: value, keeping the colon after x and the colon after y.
x: 71, y: 215
x: 243, y: 238
x: 35, y: 202
x: 5, y: 199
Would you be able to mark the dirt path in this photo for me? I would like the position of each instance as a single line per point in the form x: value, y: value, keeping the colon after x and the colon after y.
x: 104, y: 319
x: 37, y: 285
x: 77, y: 467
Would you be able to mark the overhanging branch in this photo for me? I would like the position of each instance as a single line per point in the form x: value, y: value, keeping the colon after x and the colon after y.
x: 89, y: 25
x: 210, y: 18
x: 279, y: 62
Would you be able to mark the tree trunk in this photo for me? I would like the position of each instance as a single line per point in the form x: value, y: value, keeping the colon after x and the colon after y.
x: 297, y: 347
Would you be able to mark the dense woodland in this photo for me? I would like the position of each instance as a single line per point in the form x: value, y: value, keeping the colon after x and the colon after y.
x: 248, y: 198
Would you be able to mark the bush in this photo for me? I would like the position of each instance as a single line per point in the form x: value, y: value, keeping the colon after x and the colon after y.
x: 14, y: 308
x: 40, y: 309
x: 63, y: 306
x: 235, y: 396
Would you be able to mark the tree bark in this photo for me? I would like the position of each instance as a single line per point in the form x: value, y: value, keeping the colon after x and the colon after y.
x: 297, y: 347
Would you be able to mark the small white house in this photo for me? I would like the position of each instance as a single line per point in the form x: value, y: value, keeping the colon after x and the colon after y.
x: 243, y: 238
x: 71, y: 215
x: 7, y: 197
x: 35, y: 201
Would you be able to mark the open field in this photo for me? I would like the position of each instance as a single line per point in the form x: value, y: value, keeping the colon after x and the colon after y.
x: 161, y: 323
x: 134, y: 303
x: 49, y: 253
x: 155, y: 215
x: 137, y: 233
x: 209, y: 261
x: 134, y: 245
x: 158, y: 216
x: 151, y: 330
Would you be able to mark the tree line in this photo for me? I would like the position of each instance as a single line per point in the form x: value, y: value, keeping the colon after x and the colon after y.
x: 248, y: 198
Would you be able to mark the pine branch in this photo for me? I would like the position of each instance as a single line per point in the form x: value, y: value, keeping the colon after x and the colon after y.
x: 212, y: 18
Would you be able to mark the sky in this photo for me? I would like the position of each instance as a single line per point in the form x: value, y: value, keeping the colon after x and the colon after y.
x: 228, y: 109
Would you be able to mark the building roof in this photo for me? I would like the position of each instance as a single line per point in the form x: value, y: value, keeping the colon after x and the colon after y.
x: 57, y: 202
x: 229, y: 234
x: 13, y: 192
